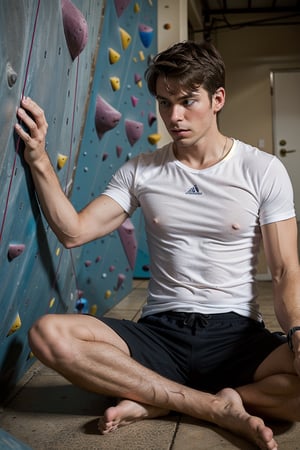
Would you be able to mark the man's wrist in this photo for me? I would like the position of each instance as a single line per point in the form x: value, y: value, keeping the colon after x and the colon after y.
x: 290, y: 334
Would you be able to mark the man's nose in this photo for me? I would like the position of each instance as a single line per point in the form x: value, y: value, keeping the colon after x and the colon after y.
x: 176, y: 113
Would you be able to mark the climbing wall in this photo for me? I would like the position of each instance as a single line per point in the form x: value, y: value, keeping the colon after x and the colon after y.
x: 83, y: 61
x: 121, y: 123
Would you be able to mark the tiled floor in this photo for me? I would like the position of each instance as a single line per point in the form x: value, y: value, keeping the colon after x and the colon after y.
x: 48, y: 413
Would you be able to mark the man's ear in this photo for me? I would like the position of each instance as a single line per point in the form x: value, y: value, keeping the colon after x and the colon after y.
x: 218, y: 99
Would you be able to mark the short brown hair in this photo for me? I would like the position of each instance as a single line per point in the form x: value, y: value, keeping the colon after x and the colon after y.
x: 191, y: 64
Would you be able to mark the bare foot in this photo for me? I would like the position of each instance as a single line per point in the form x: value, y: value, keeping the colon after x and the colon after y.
x: 125, y: 413
x: 237, y: 420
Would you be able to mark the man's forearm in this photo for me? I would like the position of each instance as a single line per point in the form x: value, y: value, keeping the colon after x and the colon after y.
x: 59, y: 212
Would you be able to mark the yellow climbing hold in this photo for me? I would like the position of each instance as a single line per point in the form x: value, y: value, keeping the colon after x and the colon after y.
x: 114, y: 56
x: 115, y: 83
x: 57, y: 251
x: 16, y: 325
x: 107, y: 294
x: 136, y: 8
x: 154, y: 138
x: 93, y: 310
x: 125, y: 38
x: 51, y: 303
x: 141, y: 55
x: 61, y: 160
x: 139, y: 83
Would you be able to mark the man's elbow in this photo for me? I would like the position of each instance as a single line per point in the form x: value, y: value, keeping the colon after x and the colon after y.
x: 69, y: 242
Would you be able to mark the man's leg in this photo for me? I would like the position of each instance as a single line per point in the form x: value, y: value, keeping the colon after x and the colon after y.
x: 275, y: 392
x: 91, y: 355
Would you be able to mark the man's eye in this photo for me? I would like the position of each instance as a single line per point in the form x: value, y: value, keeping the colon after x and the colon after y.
x: 189, y: 102
x: 163, y: 103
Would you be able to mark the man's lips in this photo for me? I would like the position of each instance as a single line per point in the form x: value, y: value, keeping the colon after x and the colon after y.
x: 179, y: 131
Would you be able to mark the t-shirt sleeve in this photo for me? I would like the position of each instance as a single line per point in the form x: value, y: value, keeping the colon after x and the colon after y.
x: 277, y: 202
x: 121, y: 187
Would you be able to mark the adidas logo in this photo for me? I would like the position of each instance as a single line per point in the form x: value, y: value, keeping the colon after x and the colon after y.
x: 194, y: 190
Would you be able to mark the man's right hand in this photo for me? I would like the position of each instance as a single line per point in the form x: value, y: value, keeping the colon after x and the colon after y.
x: 33, y: 117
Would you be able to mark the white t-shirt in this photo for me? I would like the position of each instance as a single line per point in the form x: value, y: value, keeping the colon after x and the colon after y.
x: 203, y: 226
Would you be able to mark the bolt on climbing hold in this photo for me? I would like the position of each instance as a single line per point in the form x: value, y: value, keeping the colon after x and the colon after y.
x: 75, y: 28
x: 146, y: 34
x: 120, y: 281
x: 14, y: 250
x: 61, y: 160
x: 107, y: 294
x: 134, y: 130
x: 11, y: 75
x: 82, y: 306
x: 113, y: 55
x: 93, y: 310
x: 106, y: 116
x: 154, y: 138
x: 125, y: 38
x: 115, y: 83
x: 16, y: 325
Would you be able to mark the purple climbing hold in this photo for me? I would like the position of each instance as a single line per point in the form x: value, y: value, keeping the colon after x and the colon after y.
x: 106, y: 117
x: 120, y: 6
x: 75, y: 28
x: 134, y: 130
x: 151, y: 118
x: 14, y: 250
x: 127, y: 235
x: 146, y: 35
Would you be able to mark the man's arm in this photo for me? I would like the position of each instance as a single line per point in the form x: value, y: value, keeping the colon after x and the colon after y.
x: 280, y: 244
x: 97, y: 219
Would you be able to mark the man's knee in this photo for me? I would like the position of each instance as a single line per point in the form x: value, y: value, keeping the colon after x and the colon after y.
x: 46, y: 340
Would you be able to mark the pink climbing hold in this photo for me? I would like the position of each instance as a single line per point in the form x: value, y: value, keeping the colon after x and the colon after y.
x: 75, y: 28
x: 134, y: 100
x: 120, y: 6
x: 151, y: 118
x: 121, y: 279
x: 137, y: 78
x: 134, y: 130
x: 127, y: 235
x: 106, y: 117
x: 119, y: 151
x: 15, y: 250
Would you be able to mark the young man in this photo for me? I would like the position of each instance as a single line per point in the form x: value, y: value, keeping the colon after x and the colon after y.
x: 201, y: 347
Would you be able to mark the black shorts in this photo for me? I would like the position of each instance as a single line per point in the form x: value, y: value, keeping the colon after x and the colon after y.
x: 205, y: 352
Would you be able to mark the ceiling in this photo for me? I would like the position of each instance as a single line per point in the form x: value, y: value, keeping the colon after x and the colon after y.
x: 208, y: 15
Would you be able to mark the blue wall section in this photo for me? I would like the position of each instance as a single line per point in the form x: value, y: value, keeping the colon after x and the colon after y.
x: 36, y: 61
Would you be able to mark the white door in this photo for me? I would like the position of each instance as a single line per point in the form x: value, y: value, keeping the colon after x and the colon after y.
x: 286, y: 125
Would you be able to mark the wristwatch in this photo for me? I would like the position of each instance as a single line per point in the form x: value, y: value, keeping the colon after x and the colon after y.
x: 289, y: 337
